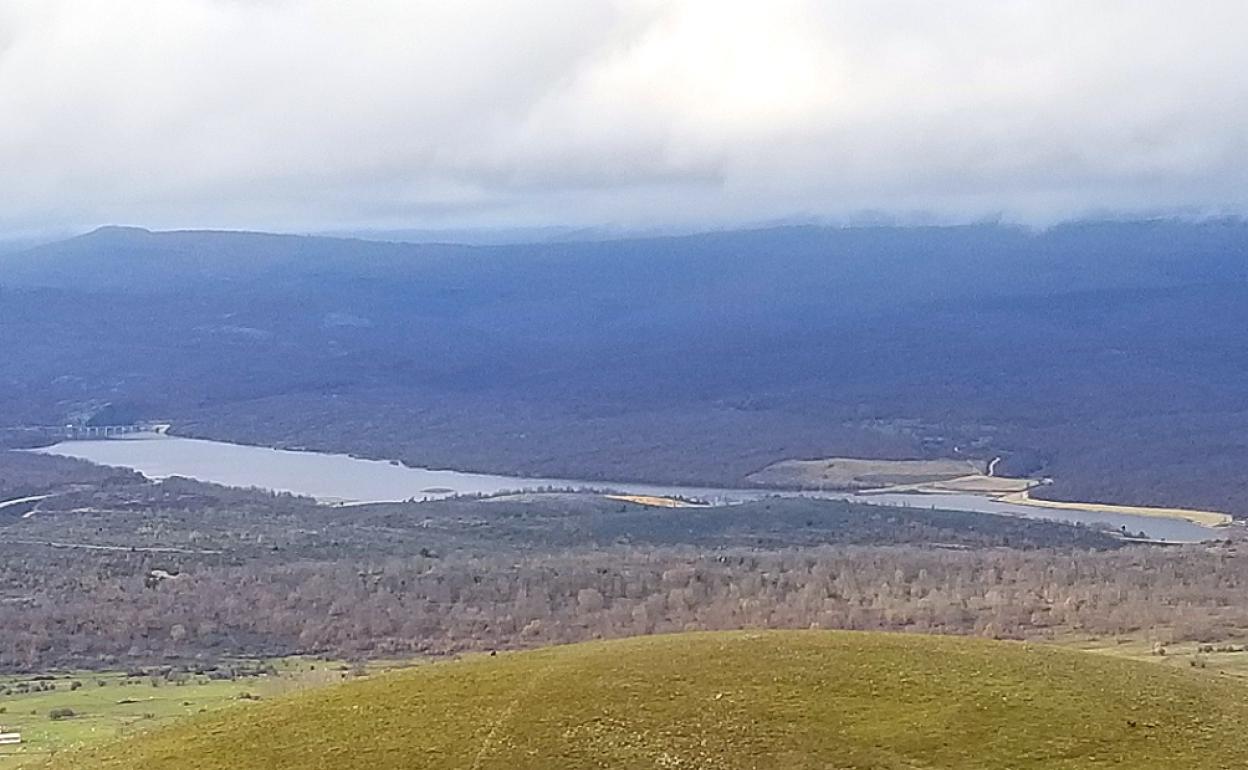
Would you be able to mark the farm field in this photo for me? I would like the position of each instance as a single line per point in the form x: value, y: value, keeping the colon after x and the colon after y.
x: 850, y: 473
x: 90, y: 707
x: 800, y: 699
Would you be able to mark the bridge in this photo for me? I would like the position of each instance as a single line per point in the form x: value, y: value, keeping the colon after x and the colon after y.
x: 79, y: 431
x: 104, y: 431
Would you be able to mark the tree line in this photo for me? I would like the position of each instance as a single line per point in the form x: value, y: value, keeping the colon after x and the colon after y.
x: 100, y: 613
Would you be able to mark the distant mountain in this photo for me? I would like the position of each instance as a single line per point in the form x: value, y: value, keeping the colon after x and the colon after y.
x: 15, y: 244
x: 934, y: 262
x: 498, y: 236
x: 1108, y: 355
x: 131, y: 259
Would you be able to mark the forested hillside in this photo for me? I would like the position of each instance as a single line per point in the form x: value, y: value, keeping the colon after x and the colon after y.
x: 1108, y: 356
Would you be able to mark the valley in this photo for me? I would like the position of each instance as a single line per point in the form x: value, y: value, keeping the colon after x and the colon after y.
x: 1092, y: 353
x: 343, y: 479
x: 623, y: 385
x: 338, y: 458
x: 116, y: 569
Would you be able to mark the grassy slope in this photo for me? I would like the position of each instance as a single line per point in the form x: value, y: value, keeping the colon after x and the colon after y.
x: 731, y: 700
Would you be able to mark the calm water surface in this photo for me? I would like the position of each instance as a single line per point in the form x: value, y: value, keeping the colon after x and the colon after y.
x: 341, y: 478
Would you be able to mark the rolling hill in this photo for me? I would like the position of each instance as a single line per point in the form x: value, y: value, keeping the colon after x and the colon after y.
x: 792, y: 700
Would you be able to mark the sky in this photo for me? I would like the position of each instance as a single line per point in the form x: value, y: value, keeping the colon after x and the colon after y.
x: 314, y: 115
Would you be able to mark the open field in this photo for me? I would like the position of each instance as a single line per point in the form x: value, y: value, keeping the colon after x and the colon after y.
x: 109, y: 704
x: 981, y: 485
x: 851, y: 473
x: 973, y: 484
x: 800, y: 699
x: 1225, y: 658
x: 1206, y: 518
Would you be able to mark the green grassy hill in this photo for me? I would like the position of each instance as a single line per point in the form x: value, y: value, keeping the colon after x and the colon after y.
x: 784, y: 700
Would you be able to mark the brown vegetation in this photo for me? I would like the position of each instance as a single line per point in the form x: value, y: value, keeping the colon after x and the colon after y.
x: 129, y: 572
x: 856, y: 474
x: 98, y: 611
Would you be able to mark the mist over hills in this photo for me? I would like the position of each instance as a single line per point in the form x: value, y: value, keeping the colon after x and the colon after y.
x: 1108, y: 355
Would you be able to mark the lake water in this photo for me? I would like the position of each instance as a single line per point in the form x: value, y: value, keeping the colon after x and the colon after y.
x: 341, y: 478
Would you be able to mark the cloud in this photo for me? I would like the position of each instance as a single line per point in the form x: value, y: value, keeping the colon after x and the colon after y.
x: 314, y: 114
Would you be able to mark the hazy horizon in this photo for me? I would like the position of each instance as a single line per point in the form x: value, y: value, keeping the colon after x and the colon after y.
x: 557, y: 234
x: 618, y: 115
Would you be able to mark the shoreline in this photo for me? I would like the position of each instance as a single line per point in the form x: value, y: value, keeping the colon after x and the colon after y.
x: 983, y: 488
x: 1210, y: 519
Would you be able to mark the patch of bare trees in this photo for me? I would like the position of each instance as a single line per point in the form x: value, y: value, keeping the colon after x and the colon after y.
x: 103, y: 615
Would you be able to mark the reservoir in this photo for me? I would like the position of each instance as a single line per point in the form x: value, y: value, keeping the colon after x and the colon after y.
x: 341, y: 478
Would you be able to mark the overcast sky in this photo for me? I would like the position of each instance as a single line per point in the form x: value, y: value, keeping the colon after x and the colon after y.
x: 322, y: 114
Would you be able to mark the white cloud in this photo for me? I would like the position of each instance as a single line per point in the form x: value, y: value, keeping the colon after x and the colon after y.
x: 310, y: 114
